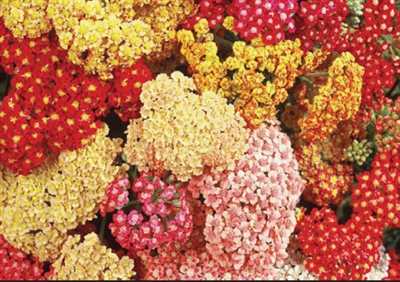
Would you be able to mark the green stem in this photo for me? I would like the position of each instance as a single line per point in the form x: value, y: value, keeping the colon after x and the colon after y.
x: 102, y: 229
x: 224, y: 43
x: 316, y: 74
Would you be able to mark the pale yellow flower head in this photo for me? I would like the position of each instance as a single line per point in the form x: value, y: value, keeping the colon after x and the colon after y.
x: 37, y: 210
x: 183, y: 132
x: 25, y: 18
x: 89, y: 260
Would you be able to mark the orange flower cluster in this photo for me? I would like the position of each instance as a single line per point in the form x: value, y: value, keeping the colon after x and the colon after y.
x: 254, y: 79
x: 332, y: 97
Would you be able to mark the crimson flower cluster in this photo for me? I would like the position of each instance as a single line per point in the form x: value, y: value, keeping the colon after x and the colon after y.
x: 116, y: 196
x: 319, y: 23
x: 53, y: 105
x: 377, y: 192
x: 161, y: 214
x: 17, y: 265
x: 337, y: 251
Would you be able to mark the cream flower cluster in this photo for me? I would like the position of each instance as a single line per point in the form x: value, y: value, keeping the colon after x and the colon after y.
x: 100, y: 35
x: 254, y: 204
x: 182, y: 132
x: 25, y: 17
x: 89, y: 260
x: 37, y: 210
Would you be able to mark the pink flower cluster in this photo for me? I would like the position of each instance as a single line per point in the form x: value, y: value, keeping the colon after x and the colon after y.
x: 268, y: 18
x: 161, y: 214
x: 116, y: 196
x: 252, y: 213
x: 319, y: 23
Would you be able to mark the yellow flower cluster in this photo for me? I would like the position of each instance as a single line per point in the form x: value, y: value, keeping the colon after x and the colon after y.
x: 100, y: 35
x: 89, y: 260
x: 261, y: 75
x: 25, y: 17
x: 182, y: 132
x: 37, y: 210
x: 330, y: 99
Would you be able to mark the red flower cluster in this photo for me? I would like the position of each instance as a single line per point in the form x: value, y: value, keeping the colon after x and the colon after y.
x: 269, y: 19
x: 212, y: 10
x: 386, y: 123
x: 319, y: 23
x: 380, y: 18
x: 116, y: 196
x: 52, y: 104
x: 161, y: 215
x: 128, y: 86
x: 17, y: 265
x: 377, y: 192
x: 339, y: 252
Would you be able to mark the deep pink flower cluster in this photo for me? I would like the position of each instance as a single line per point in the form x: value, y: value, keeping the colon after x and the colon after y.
x: 253, y: 206
x: 161, y: 214
x: 268, y: 18
x: 17, y: 265
x: 319, y: 23
x: 116, y: 196
x: 212, y: 10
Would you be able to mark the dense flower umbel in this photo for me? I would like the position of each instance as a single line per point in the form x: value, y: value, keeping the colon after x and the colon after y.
x: 319, y: 23
x: 128, y: 86
x: 182, y: 132
x: 261, y: 75
x: 160, y: 215
x: 327, y: 182
x: 253, y: 205
x: 87, y: 259
x: 334, y: 251
x: 331, y: 98
x: 377, y: 192
x: 37, y: 210
x: 52, y: 104
x: 101, y: 35
x: 379, y: 18
x: 17, y: 265
x: 25, y: 18
x: 116, y: 196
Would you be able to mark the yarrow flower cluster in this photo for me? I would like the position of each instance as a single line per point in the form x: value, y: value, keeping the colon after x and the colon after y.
x: 334, y: 251
x: 25, y: 18
x: 52, y: 105
x: 377, y: 192
x: 116, y: 196
x: 160, y: 215
x: 335, y: 98
x: 327, y: 182
x: 37, y: 210
x: 253, y: 206
x: 101, y: 36
x: 18, y: 265
x: 87, y: 259
x: 261, y: 74
x: 182, y: 132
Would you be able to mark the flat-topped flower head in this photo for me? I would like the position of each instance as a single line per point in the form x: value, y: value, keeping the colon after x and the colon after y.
x: 182, y: 132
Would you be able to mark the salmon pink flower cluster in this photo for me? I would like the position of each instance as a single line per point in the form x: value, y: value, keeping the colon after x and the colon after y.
x: 199, y: 140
